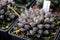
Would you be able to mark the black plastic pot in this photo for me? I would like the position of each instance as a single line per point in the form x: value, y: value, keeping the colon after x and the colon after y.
x: 4, y: 33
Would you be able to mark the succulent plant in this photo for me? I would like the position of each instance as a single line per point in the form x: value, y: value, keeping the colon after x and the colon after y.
x: 32, y: 32
x: 35, y: 29
x: 52, y: 19
x: 32, y: 24
x: 20, y: 25
x: 38, y: 35
x: 47, y: 26
x: 40, y: 32
x: 40, y: 26
x: 2, y: 11
x: 46, y: 20
x: 22, y: 29
x: 1, y: 16
x: 8, y: 19
x: 26, y: 27
x: 46, y: 32
x: 12, y: 16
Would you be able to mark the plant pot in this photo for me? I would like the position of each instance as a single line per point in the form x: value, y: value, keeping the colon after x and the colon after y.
x: 8, y: 24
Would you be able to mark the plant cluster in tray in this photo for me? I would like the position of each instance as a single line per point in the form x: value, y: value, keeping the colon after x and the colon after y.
x: 35, y: 24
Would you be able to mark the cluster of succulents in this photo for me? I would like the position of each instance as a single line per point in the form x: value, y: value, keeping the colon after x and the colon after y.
x: 7, y: 17
x: 35, y: 24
